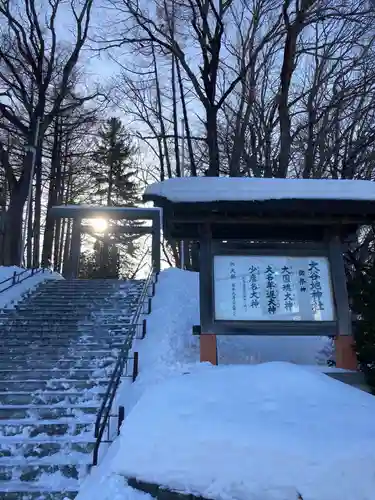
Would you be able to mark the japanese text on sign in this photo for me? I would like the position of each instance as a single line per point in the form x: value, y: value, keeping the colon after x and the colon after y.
x: 272, y: 288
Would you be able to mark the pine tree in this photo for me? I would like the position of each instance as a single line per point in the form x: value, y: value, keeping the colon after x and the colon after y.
x: 113, y: 172
x: 361, y: 288
x: 95, y: 264
x: 114, y: 166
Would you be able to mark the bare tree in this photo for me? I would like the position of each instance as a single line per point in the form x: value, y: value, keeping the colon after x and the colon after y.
x: 35, y: 77
x: 206, y: 33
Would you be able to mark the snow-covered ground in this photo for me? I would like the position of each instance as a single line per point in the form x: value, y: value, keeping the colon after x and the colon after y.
x: 9, y: 298
x: 266, y: 431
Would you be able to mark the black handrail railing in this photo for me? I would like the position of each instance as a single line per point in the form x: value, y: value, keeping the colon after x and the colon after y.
x: 104, y: 414
x: 17, y: 278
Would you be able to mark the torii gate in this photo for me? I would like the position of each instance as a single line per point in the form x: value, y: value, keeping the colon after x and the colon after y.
x: 79, y: 212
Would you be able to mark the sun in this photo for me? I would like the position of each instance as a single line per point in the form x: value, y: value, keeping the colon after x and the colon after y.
x: 99, y: 225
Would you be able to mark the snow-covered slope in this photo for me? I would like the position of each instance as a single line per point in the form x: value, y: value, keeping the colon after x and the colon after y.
x: 235, y: 432
x: 9, y: 298
x: 175, y: 309
x: 264, y: 432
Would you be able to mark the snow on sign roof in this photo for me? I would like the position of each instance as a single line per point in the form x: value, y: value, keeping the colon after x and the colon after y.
x: 208, y: 189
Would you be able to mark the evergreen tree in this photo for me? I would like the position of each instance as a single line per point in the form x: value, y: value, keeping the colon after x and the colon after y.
x: 96, y: 264
x: 113, y: 171
x: 114, y: 166
x: 361, y: 288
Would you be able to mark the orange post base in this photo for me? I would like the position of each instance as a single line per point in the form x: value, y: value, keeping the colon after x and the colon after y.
x: 345, y: 354
x: 208, y: 348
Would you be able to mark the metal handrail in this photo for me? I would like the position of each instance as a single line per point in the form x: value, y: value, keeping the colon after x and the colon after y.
x: 15, y: 279
x: 104, y: 414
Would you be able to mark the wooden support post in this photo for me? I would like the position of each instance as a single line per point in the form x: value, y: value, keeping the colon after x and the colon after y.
x: 345, y: 354
x: 75, y: 248
x: 156, y: 243
x: 208, y: 349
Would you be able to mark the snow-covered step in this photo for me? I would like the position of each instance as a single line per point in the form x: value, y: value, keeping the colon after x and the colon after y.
x: 16, y: 449
x: 34, y: 471
x: 63, y: 337
x: 88, y: 406
x: 50, y: 429
x: 48, y: 374
x: 57, y: 352
x: 53, y: 384
x: 49, y: 322
x: 37, y: 449
x: 45, y: 331
x: 52, y: 460
x: 69, y: 352
x: 38, y: 487
x: 47, y: 412
x: 69, y: 316
x: 67, y: 362
x: 50, y: 397
x: 45, y: 439
x: 39, y: 495
x: 87, y: 420
x: 46, y: 343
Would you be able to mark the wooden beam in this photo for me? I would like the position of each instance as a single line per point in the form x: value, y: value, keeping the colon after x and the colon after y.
x: 93, y: 212
x: 267, y: 220
x: 119, y: 230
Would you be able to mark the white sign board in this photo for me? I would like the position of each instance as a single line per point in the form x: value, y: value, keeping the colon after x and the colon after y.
x: 272, y: 288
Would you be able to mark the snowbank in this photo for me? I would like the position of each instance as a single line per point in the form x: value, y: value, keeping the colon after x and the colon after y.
x: 9, y: 298
x: 170, y: 344
x: 193, y: 189
x: 264, y: 432
x: 170, y: 347
x: 170, y: 350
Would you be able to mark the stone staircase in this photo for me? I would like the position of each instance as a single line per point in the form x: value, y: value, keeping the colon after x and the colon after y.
x: 57, y: 350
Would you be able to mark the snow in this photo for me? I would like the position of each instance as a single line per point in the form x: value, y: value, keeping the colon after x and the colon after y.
x: 99, y: 208
x: 169, y: 351
x: 264, y: 432
x: 9, y: 298
x: 169, y: 346
x: 170, y: 343
x: 104, y: 484
x: 205, y: 189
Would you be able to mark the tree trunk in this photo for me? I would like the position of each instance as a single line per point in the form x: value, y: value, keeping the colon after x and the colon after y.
x: 193, y: 167
x: 30, y: 232
x: 212, y: 142
x: 175, y: 119
x: 14, y: 215
x: 160, y: 115
x: 37, y: 212
x: 54, y: 187
x: 13, y: 226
